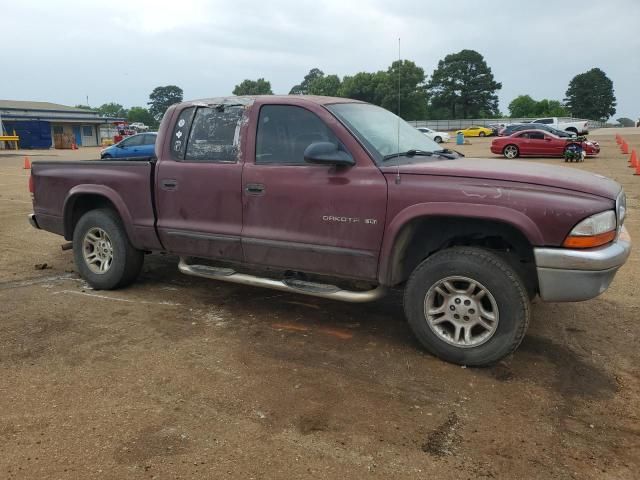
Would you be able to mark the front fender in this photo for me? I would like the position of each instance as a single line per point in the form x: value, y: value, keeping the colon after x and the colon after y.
x: 506, y: 215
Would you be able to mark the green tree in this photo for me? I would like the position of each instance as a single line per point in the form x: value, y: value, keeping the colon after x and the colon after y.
x: 464, y: 86
x: 112, y: 109
x: 162, y: 98
x: 253, y: 87
x: 309, y: 78
x: 590, y: 95
x: 141, y: 114
x: 405, y: 81
x: 364, y: 86
x: 626, y: 122
x: 525, y: 106
x: 328, y: 85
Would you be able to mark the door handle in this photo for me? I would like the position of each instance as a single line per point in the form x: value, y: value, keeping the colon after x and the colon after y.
x: 254, y: 188
x: 169, y: 184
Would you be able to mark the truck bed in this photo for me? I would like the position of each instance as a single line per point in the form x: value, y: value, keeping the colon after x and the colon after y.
x: 128, y: 184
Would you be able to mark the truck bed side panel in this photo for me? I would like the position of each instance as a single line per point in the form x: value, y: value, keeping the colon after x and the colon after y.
x: 126, y: 184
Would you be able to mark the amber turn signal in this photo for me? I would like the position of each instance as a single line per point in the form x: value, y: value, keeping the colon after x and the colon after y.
x: 579, y: 241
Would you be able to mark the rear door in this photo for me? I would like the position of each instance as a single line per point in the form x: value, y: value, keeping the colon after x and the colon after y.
x: 198, y: 185
x: 314, y: 218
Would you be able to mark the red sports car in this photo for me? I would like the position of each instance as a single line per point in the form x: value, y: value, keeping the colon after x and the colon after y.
x: 537, y: 143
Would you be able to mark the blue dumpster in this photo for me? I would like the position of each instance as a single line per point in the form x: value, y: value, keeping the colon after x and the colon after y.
x: 460, y: 138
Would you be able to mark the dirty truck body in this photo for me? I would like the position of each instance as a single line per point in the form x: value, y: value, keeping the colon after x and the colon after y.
x: 320, y: 192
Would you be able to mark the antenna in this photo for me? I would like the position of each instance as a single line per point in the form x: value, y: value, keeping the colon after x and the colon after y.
x: 399, y: 76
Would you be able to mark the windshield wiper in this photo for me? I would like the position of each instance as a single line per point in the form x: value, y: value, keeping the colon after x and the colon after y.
x: 408, y: 153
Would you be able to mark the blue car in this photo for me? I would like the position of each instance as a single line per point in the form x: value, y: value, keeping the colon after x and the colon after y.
x: 140, y: 145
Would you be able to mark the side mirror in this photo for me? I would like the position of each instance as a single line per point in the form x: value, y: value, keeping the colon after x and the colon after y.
x: 327, y: 153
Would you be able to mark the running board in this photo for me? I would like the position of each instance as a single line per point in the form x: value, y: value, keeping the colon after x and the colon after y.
x: 287, y: 285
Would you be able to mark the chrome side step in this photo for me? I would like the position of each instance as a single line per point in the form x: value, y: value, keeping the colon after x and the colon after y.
x: 287, y: 285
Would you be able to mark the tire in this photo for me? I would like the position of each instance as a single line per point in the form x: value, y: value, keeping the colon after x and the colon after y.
x: 511, y: 151
x: 482, y: 134
x: 437, y: 139
x: 505, y: 297
x: 117, y: 263
x: 572, y: 130
x: 106, y: 156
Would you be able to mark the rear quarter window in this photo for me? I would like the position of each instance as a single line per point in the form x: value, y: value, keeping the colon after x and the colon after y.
x: 180, y: 133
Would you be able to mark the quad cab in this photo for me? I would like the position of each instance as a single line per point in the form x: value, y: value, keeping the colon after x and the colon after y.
x: 340, y: 199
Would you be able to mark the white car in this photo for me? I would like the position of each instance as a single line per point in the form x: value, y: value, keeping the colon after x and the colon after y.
x: 437, y: 137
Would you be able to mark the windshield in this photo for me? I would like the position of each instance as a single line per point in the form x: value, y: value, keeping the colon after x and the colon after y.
x: 377, y: 128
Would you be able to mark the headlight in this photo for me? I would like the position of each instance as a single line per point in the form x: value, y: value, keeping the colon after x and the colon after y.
x: 593, y: 231
x: 621, y: 207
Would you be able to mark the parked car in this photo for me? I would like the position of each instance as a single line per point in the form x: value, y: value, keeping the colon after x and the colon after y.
x: 476, y: 132
x: 437, y: 137
x: 537, y: 143
x: 518, y: 127
x: 496, y: 127
x: 341, y: 199
x: 141, y: 145
x: 139, y: 126
x: 579, y: 127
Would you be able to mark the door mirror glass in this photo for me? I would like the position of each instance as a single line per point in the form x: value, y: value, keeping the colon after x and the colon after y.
x: 327, y: 153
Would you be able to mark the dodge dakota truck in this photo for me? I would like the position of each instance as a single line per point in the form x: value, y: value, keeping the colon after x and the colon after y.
x: 341, y: 199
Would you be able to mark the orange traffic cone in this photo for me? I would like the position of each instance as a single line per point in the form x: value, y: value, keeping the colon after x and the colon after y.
x: 27, y: 163
x: 618, y: 139
x: 637, y: 172
x: 633, y: 160
x: 625, y: 147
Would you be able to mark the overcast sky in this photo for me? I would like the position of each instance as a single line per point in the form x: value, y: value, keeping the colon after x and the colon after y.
x: 119, y: 51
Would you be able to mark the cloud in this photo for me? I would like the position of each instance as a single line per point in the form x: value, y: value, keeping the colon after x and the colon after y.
x: 62, y: 52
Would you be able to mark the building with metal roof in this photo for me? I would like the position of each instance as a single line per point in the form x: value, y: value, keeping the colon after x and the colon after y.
x: 47, y: 125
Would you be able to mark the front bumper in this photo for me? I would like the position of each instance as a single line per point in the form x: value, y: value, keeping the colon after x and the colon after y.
x: 566, y: 275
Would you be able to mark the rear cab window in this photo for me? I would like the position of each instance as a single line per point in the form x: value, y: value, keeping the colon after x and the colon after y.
x: 207, y: 134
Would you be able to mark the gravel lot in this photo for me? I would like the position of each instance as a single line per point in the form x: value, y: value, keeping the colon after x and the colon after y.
x: 178, y: 377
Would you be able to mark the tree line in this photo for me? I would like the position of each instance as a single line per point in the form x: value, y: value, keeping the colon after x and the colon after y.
x: 461, y: 86
x: 160, y: 99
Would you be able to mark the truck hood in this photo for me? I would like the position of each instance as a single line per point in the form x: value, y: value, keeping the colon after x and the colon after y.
x: 515, y: 171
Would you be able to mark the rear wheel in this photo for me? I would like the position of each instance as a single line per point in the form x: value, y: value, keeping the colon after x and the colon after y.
x: 467, y: 305
x: 106, y: 156
x: 481, y: 134
x: 102, y: 252
x: 511, y: 151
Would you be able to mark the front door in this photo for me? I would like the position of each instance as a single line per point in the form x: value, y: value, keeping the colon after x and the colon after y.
x: 304, y: 217
x: 198, y: 189
x: 77, y: 135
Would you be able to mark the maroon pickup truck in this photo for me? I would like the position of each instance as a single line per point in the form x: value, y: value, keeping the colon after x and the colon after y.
x: 343, y: 200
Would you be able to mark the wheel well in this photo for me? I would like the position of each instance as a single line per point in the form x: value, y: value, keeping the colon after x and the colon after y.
x: 571, y: 129
x: 80, y: 205
x: 426, y: 235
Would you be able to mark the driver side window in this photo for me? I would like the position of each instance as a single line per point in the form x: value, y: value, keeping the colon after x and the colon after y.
x: 285, y: 131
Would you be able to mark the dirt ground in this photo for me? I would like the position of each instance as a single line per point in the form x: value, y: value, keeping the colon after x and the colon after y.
x: 179, y: 377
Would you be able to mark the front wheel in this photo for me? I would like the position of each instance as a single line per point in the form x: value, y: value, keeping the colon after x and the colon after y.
x: 481, y: 134
x: 102, y: 251
x: 467, y: 305
x: 437, y: 139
